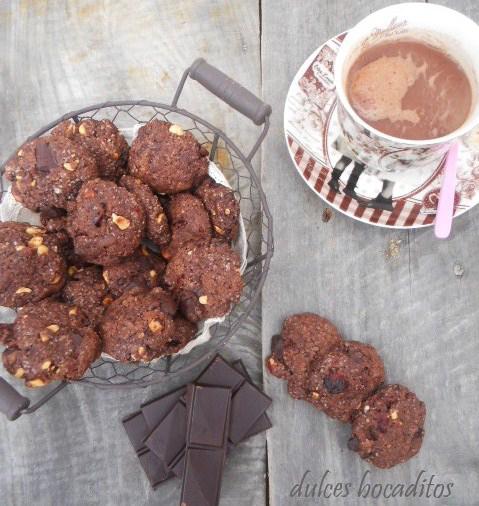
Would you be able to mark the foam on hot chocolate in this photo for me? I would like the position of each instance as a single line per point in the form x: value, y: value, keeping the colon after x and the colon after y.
x: 409, y: 89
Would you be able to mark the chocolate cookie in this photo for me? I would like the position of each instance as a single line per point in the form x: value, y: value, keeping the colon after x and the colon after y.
x: 31, y: 266
x: 189, y: 222
x: 222, y: 206
x: 157, y: 227
x: 206, y: 279
x: 306, y: 338
x: 344, y: 378
x: 143, y: 269
x: 86, y: 289
x: 139, y: 326
x: 389, y: 429
x: 167, y: 158
x: 51, y: 341
x: 106, y: 223
x: 49, y: 171
x: 103, y: 140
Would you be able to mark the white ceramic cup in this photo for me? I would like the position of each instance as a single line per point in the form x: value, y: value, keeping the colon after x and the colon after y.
x: 444, y: 28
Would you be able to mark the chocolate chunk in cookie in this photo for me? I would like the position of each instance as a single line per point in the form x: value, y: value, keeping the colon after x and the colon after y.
x: 103, y: 140
x: 51, y: 342
x: 49, y: 171
x: 344, y: 378
x: 389, y: 428
x: 167, y: 158
x: 31, y: 265
x: 54, y: 219
x: 206, y: 279
x: 85, y: 288
x: 189, y: 222
x: 184, y: 333
x: 6, y: 333
x: 106, y: 223
x: 143, y: 269
x: 157, y: 227
x: 222, y: 206
x: 139, y: 326
x: 275, y: 362
x: 306, y: 338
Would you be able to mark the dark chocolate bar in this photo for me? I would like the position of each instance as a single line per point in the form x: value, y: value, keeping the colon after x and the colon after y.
x: 208, y: 410
x: 137, y: 429
x: 202, y: 481
x: 154, y: 468
x: 220, y: 373
x: 224, y: 376
x: 263, y: 423
x: 167, y: 440
x: 248, y: 405
x: 157, y: 432
x: 155, y: 411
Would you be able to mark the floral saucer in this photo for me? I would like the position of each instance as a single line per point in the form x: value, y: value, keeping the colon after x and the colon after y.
x: 406, y: 200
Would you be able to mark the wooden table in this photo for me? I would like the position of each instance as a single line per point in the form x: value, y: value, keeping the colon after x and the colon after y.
x: 419, y: 314
x: 58, y: 56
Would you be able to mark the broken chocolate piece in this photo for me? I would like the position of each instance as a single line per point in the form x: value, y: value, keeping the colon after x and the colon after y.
x: 45, y: 157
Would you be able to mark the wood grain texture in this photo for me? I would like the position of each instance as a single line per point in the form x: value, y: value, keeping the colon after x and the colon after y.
x: 58, y: 56
x: 421, y: 316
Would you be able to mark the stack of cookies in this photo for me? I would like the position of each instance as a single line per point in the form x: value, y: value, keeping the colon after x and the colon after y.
x: 134, y: 252
x: 345, y: 380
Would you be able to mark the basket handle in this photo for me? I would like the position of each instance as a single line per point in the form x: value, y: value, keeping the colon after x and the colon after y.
x: 12, y: 403
x: 230, y: 92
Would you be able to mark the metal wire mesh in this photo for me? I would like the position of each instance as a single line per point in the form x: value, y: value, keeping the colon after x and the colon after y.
x: 240, y: 174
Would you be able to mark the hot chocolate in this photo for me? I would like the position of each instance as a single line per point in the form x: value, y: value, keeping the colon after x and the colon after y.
x: 409, y: 89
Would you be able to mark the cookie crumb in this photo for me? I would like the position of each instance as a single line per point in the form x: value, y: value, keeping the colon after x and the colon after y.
x: 327, y: 215
x: 458, y: 270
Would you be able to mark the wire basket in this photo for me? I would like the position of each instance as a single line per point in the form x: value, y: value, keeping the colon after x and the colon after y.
x: 237, y: 168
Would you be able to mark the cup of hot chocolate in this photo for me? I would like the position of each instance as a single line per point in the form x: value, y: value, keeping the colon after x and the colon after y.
x: 407, y: 81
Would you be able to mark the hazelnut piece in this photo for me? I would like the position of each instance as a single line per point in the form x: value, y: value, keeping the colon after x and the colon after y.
x: 176, y: 130
x: 120, y: 221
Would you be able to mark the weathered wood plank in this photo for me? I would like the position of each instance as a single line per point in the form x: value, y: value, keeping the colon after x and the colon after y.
x: 413, y: 308
x: 59, y: 56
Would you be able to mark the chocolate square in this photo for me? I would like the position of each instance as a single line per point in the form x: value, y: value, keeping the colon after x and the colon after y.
x: 202, y: 481
x: 248, y: 405
x: 167, y: 441
x: 208, y: 415
x: 155, y: 411
x: 220, y: 373
x: 154, y: 468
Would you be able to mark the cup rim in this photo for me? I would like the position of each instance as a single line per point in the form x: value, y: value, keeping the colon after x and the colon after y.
x: 341, y: 94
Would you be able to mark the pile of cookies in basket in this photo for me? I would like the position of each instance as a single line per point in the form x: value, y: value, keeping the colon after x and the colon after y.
x: 346, y: 380
x: 134, y: 251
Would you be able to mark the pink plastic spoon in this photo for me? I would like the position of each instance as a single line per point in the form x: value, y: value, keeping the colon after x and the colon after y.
x: 445, y: 206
